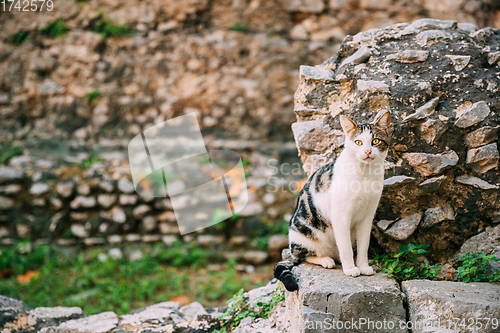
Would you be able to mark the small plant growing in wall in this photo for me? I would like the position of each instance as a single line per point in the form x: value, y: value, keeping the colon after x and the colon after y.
x: 92, y: 95
x: 7, y: 151
x: 240, y: 26
x: 91, y: 160
x: 18, y: 37
x: 107, y: 28
x: 475, y: 268
x: 55, y: 29
x: 407, y: 264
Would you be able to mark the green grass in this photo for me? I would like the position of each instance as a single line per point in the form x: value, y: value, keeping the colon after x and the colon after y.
x: 55, y: 29
x: 78, y: 278
x: 92, y: 95
x: 240, y: 26
x: 107, y: 28
x: 89, y: 161
x: 7, y: 151
x: 18, y: 38
x: 239, y: 309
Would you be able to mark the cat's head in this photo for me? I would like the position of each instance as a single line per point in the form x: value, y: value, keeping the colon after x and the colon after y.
x: 367, y: 142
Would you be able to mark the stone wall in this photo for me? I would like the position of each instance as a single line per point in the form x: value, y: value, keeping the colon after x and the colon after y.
x: 235, y: 63
x: 441, y: 82
x: 75, y: 202
x: 183, y: 56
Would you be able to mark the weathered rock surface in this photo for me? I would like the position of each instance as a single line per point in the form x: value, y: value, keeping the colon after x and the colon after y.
x: 409, y: 56
x: 473, y: 115
x: 402, y: 228
x: 9, y: 174
x: 431, y: 130
x: 158, y: 311
x: 443, y: 94
x: 38, y: 189
x: 459, y: 62
x: 484, y: 242
x: 476, y: 182
x: 65, y: 189
x: 10, y: 308
x: 396, y: 180
x: 482, y: 136
x: 424, y: 111
x: 443, y: 306
x: 433, y: 216
x: 98, y: 323
x: 58, y: 312
x: 432, y: 184
x: 162, y: 317
x: 327, y: 296
x: 83, y: 202
x: 430, y: 164
x: 483, y: 158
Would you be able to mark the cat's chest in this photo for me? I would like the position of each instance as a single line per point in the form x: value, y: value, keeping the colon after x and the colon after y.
x: 359, y: 188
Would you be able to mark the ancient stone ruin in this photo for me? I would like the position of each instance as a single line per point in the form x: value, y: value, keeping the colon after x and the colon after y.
x: 329, y: 301
x: 441, y: 81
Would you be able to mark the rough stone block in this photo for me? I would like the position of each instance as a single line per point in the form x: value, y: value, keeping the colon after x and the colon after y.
x: 443, y: 306
x: 484, y: 242
x: 483, y: 158
x: 10, y: 308
x: 431, y: 164
x: 473, y: 115
x: 310, y: 135
x: 328, y: 300
x: 98, y: 323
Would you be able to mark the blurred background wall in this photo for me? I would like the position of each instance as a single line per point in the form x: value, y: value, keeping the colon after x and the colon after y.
x: 78, y: 82
x: 234, y: 62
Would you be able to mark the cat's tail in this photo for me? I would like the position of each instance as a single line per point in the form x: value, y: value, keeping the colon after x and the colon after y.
x: 283, y: 272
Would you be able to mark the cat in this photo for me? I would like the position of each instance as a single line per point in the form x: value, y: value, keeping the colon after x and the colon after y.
x: 336, y: 206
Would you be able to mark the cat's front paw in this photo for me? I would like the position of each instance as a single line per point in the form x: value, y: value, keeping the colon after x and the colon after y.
x: 352, y: 271
x: 326, y: 262
x: 366, y: 270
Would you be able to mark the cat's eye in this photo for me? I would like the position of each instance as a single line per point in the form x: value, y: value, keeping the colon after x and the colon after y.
x: 375, y: 141
x: 358, y: 142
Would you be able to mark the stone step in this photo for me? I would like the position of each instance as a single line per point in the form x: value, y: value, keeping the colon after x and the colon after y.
x: 444, y: 306
x: 330, y: 301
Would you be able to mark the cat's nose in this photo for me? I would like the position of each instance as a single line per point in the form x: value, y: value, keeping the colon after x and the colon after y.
x: 368, y: 152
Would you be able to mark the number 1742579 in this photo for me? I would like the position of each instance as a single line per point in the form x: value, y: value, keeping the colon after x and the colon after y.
x: 26, y: 5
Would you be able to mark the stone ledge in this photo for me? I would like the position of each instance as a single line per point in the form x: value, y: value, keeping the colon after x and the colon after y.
x: 449, y: 304
x: 327, y: 295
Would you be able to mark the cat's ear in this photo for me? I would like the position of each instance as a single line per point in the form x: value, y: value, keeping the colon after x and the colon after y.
x: 383, y: 120
x: 347, y: 124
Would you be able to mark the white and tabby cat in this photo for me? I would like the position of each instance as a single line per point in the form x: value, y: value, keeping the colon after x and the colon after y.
x: 336, y: 206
